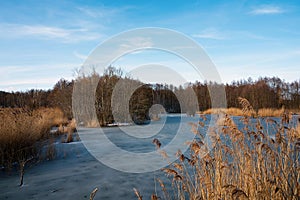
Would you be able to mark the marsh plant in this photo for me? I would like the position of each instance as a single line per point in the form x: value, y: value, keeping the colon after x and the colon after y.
x: 22, y: 129
x: 245, y: 163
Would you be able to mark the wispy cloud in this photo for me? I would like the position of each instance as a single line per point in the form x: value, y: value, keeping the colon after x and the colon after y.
x: 80, y: 56
x: 215, y: 34
x: 42, y: 76
x: 48, y: 32
x: 136, y: 42
x: 105, y: 14
x: 210, y: 33
x: 98, y: 12
x: 267, y: 10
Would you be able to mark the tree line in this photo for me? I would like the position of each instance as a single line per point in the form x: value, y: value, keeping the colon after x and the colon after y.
x: 113, y: 89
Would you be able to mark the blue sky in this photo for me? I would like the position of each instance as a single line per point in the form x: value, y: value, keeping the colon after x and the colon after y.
x: 43, y: 41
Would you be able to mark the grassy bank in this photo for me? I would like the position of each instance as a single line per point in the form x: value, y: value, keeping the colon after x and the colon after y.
x: 21, y: 130
x: 263, y: 112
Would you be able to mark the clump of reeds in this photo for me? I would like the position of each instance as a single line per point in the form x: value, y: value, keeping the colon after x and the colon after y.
x: 229, y: 111
x: 263, y: 112
x: 244, y: 163
x: 270, y: 112
x: 21, y: 129
x: 69, y: 129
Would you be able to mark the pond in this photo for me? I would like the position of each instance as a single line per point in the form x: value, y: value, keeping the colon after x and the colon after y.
x: 118, y: 159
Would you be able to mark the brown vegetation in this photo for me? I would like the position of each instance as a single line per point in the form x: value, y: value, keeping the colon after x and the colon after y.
x: 21, y: 129
x: 263, y: 112
x: 245, y: 163
x: 93, y: 193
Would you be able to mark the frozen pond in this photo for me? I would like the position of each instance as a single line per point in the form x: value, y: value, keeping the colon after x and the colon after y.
x: 119, y: 159
x: 74, y: 173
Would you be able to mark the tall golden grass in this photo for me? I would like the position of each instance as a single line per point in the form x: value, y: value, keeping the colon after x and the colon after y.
x: 229, y: 111
x: 270, y: 112
x: 245, y: 162
x: 21, y: 129
x: 263, y: 112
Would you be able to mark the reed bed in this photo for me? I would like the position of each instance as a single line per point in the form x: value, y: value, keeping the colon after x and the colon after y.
x: 244, y: 163
x: 270, y: 112
x: 21, y: 129
x: 229, y: 111
x: 263, y: 112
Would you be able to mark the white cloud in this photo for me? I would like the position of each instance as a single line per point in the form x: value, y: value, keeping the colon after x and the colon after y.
x: 214, y: 34
x: 210, y: 33
x: 104, y: 14
x: 48, y: 32
x: 51, y: 32
x: 267, y: 10
x: 135, y: 43
x: 42, y: 76
x: 98, y: 12
x: 80, y: 56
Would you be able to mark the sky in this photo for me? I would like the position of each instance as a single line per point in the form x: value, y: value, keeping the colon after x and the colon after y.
x: 44, y: 41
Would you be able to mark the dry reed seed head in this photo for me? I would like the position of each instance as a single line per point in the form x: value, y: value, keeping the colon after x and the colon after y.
x: 192, y: 162
x: 156, y: 142
x: 161, y: 183
x: 170, y: 171
x: 178, y: 166
x: 195, y: 147
x: 247, y: 109
x: 164, y: 154
x: 201, y: 124
x: 178, y: 177
x: 182, y: 158
x: 154, y: 197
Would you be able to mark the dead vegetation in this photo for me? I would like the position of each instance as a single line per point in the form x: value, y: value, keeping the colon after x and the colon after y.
x: 245, y: 163
x: 263, y: 112
x: 22, y: 132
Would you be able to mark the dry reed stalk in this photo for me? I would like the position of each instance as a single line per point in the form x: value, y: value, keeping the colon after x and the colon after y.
x: 93, y: 193
x: 137, y: 194
x: 22, y: 170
